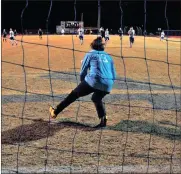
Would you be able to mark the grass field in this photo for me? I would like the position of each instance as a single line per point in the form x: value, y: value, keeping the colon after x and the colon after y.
x: 138, y: 138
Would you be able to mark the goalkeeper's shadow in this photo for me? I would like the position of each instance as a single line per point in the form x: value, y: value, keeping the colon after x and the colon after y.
x: 170, y: 131
x: 40, y: 129
x: 173, y: 132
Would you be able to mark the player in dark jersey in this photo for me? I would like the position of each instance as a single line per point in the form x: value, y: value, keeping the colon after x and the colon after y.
x: 120, y: 31
x: 4, y: 35
x: 15, y: 32
x: 102, y: 32
x: 40, y: 33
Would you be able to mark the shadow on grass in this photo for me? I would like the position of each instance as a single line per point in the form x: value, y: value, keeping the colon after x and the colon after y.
x: 148, y: 128
x: 39, y: 130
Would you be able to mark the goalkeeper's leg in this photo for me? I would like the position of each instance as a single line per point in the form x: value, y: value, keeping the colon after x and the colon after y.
x: 81, y: 90
x: 100, y: 107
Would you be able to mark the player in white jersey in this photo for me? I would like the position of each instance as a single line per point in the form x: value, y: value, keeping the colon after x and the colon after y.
x: 62, y: 31
x: 106, y: 35
x: 162, y: 36
x: 120, y: 31
x: 131, y: 33
x: 81, y: 34
x: 11, y: 37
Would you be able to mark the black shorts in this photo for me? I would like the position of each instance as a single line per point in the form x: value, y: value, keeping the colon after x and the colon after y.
x: 131, y: 39
x: 81, y: 37
x: 103, y: 36
x: 4, y: 35
x: 11, y: 38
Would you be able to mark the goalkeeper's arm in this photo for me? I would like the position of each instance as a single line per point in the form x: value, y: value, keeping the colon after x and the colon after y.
x: 84, y: 67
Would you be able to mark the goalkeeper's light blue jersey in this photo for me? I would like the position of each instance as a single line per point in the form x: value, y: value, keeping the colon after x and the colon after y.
x: 98, y: 70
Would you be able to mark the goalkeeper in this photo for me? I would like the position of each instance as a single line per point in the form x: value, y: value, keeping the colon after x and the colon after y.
x: 99, y: 81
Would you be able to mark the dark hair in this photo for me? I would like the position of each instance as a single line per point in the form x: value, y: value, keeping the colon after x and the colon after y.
x: 97, y: 44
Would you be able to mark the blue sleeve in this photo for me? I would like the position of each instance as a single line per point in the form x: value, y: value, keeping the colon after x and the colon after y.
x: 113, y: 71
x: 85, y: 66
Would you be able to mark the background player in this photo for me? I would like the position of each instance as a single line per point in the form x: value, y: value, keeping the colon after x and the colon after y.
x: 162, y: 36
x: 62, y: 31
x: 106, y: 35
x: 4, y: 35
x: 131, y: 33
x: 40, y: 33
x: 120, y: 31
x: 11, y: 37
x: 81, y: 34
x: 15, y: 33
x: 102, y: 32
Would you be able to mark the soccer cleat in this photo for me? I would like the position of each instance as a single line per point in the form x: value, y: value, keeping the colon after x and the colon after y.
x: 103, y: 123
x: 52, y: 112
